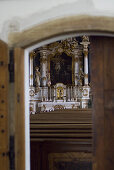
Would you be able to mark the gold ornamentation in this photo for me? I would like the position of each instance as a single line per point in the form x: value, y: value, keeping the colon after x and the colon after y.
x: 32, y: 54
x: 85, y: 38
x: 43, y: 60
x: 60, y: 50
x: 85, y: 53
x: 56, y: 107
x: 60, y: 93
x: 67, y: 46
x: 74, y: 106
x: 86, y: 75
x: 31, y: 109
x: 31, y: 76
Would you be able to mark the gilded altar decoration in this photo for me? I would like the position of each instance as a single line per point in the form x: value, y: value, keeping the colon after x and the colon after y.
x: 59, y: 75
x: 58, y: 107
x: 60, y: 93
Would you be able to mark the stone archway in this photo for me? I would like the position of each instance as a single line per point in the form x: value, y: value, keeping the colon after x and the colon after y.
x: 74, y: 24
x: 78, y: 25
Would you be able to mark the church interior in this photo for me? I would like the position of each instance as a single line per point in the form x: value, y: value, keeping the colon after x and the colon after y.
x: 60, y: 105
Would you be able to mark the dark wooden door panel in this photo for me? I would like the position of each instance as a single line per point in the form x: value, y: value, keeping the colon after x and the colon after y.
x: 108, y: 63
x: 97, y: 83
x: 36, y: 155
x: 109, y: 139
x: 109, y: 102
x: 102, y: 75
x: 4, y: 115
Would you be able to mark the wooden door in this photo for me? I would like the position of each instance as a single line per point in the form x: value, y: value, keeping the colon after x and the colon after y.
x: 4, y: 136
x: 102, y: 77
x: 19, y: 110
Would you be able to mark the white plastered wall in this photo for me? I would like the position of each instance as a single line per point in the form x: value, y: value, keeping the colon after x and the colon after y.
x: 16, y: 16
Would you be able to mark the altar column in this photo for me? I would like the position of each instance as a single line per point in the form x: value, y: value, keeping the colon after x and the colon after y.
x: 85, y: 42
x: 76, y: 67
x: 31, y: 69
x: 43, y: 66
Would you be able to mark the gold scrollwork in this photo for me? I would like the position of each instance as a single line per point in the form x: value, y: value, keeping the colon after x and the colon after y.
x: 56, y: 107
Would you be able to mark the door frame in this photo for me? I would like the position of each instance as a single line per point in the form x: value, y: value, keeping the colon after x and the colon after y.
x: 50, y: 32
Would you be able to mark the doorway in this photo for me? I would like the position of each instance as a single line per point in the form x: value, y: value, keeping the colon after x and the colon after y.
x: 101, y: 87
x: 60, y: 111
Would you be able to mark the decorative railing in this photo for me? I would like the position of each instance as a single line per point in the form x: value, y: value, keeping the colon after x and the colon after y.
x: 70, y: 93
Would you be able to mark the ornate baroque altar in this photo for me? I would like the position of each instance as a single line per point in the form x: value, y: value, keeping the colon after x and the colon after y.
x: 59, y: 76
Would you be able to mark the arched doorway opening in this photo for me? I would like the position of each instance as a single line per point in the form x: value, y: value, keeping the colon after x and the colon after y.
x: 60, y: 105
x: 100, y: 137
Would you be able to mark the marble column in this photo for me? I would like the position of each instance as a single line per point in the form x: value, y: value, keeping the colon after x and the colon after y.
x: 43, y: 66
x: 85, y: 42
x: 31, y: 68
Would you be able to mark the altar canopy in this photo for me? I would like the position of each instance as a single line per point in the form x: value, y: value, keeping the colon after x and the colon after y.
x: 59, y: 76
